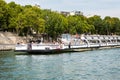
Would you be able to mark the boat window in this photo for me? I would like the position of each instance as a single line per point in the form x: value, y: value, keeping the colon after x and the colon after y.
x: 66, y: 36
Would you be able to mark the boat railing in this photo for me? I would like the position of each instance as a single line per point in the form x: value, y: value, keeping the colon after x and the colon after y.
x: 47, y: 46
x: 87, y: 41
x: 21, y: 47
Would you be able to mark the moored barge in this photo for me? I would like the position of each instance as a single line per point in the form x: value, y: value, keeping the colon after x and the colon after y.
x: 70, y: 43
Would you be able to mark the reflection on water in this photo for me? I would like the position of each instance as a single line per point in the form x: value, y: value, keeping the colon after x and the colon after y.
x: 89, y: 65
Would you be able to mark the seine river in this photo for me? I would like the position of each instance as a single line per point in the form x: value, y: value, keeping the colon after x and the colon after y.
x: 89, y: 65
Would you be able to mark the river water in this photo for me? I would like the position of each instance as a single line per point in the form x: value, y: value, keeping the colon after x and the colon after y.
x: 89, y: 65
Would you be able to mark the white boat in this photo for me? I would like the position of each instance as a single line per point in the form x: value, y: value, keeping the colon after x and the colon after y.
x: 71, y: 43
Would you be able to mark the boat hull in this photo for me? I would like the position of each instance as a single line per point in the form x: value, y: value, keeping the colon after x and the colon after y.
x: 55, y: 51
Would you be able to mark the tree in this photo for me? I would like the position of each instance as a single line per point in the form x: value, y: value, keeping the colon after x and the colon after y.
x: 3, y: 15
x: 72, y: 22
x: 30, y: 20
x: 107, y: 25
x: 79, y: 24
x: 13, y: 10
x: 55, y: 23
x: 39, y: 25
x: 25, y: 19
x: 97, y: 22
x: 115, y: 22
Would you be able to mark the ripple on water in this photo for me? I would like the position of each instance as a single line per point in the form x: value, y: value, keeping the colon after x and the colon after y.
x: 89, y: 65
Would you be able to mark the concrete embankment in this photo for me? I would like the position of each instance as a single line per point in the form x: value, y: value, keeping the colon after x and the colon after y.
x: 6, y: 47
x: 8, y: 40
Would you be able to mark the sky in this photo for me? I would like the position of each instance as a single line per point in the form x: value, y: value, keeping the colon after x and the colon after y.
x: 88, y: 7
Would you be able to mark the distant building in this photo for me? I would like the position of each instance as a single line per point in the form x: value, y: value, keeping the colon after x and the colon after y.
x: 71, y: 13
x: 37, y: 5
x: 78, y: 13
x: 65, y: 13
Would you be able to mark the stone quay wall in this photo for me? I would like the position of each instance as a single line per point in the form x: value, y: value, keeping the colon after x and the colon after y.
x: 8, y: 40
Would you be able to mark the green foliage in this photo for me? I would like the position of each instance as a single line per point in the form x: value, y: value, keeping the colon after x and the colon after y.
x: 111, y: 25
x: 3, y: 14
x: 97, y: 22
x: 13, y: 10
x: 27, y: 19
x: 55, y: 24
x: 79, y: 24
